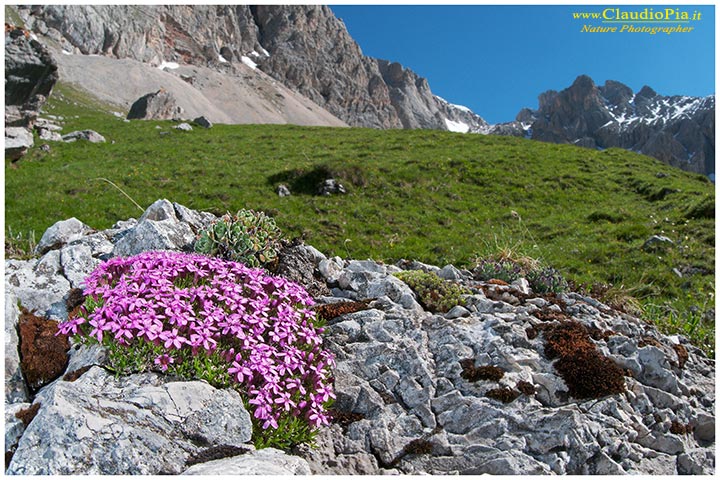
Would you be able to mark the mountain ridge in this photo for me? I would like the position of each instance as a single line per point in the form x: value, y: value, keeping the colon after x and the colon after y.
x: 306, y: 48
x: 678, y: 129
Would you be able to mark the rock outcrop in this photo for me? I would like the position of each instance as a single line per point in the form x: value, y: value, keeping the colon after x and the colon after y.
x: 88, y: 135
x: 677, y: 130
x: 30, y: 74
x: 17, y: 142
x: 160, y: 105
x: 304, y: 47
x: 507, y: 382
x: 140, y: 424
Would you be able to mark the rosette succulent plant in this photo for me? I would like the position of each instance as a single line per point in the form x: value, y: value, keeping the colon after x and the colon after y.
x: 248, y: 237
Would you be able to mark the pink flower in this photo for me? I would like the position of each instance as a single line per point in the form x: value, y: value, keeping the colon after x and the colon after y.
x: 172, y: 339
x: 270, y: 422
x: 192, y: 304
x: 283, y: 399
x: 164, y: 360
x: 242, y: 372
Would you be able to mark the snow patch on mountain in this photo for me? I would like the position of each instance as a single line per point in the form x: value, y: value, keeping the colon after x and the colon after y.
x: 248, y: 62
x: 458, y: 127
x: 459, y: 118
x: 462, y: 108
x: 168, y: 65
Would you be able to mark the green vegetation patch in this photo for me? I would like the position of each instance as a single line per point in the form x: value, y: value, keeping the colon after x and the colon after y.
x: 437, y: 197
x: 247, y: 237
x: 434, y: 293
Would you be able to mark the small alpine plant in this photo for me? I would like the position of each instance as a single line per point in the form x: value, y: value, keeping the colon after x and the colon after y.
x: 248, y: 237
x: 201, y: 317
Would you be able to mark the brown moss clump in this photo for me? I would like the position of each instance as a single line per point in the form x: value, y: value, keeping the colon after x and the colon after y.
x: 75, y: 374
x: 487, y: 372
x: 43, y: 354
x: 645, y: 341
x: 682, y: 355
x: 587, y: 373
x: 344, y: 418
x: 598, y: 334
x: 215, y: 453
x: 680, y: 429
x: 549, y: 315
x: 504, y: 394
x: 554, y: 299
x: 526, y: 388
x: 75, y: 299
x: 333, y: 310
x: 419, y: 446
x: 26, y: 415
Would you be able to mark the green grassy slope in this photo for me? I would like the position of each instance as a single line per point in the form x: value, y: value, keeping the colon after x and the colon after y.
x: 438, y: 197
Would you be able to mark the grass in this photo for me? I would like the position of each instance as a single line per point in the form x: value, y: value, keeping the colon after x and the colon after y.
x: 434, y: 196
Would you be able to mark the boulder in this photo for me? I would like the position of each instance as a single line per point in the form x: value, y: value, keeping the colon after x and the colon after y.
x: 331, y: 269
x: 160, y: 105
x: 60, y: 234
x: 99, y: 245
x: 183, y: 127
x: 15, y: 386
x: 297, y: 263
x: 47, y: 123
x: 160, y: 210
x: 449, y: 272
x: 203, y: 122
x: 138, y: 424
x: 30, y: 74
x: 158, y: 229
x: 196, y: 220
x: 331, y: 187
x: 47, y: 130
x: 77, y: 263
x: 154, y: 235
x: 39, y: 285
x: 49, y: 135
x: 88, y: 135
x: 268, y: 461
x: 657, y: 242
x: 17, y: 142
x: 283, y: 191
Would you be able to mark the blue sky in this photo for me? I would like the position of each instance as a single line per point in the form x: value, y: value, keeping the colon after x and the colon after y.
x: 498, y: 59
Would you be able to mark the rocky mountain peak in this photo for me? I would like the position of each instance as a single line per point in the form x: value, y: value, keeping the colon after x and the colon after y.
x: 304, y: 47
x: 616, y: 93
x: 583, y: 83
x: 546, y: 98
x: 678, y: 130
x: 647, y: 92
